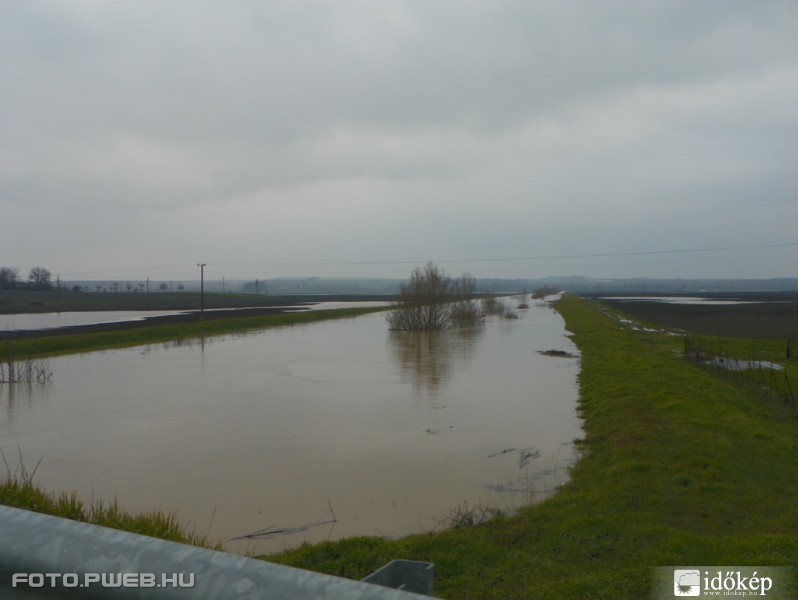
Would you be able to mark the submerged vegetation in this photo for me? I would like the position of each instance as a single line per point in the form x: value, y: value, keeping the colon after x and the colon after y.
x: 19, y: 490
x: 431, y: 300
x: 496, y: 307
x: 542, y: 292
x: 27, y: 370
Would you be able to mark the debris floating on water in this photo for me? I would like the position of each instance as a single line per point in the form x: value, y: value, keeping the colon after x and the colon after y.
x: 558, y: 353
x: 273, y: 530
x: 506, y: 451
x: 526, y: 455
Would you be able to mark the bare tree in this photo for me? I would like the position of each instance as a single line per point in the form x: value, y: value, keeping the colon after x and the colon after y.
x: 424, y: 301
x: 467, y: 310
x: 430, y: 300
x: 40, y: 278
x: 8, y: 278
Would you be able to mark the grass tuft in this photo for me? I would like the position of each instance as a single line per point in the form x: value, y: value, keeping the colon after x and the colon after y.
x: 19, y: 490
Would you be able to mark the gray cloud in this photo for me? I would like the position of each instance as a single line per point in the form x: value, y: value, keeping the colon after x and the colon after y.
x: 166, y: 133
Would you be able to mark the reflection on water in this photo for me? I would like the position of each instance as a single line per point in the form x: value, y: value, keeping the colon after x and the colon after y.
x: 276, y: 431
x: 18, y: 397
x: 426, y: 357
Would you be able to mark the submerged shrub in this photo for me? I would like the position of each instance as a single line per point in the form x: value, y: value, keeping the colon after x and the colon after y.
x: 24, y: 371
x: 494, y: 306
x: 430, y: 300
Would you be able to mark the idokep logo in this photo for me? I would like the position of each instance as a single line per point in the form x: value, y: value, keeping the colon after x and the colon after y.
x: 686, y: 582
x: 773, y: 583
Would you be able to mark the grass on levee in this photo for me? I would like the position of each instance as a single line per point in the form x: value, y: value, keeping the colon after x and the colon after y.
x: 87, y: 342
x: 677, y: 467
x: 19, y: 490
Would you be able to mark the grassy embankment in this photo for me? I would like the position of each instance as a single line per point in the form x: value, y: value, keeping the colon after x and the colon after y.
x: 86, y: 342
x: 678, y: 468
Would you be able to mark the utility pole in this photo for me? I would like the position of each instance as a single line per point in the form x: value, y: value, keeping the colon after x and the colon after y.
x: 202, y: 289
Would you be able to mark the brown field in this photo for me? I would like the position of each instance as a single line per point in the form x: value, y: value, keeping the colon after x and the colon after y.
x: 770, y: 316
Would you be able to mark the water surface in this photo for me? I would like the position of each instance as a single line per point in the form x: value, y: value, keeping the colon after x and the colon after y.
x: 274, y: 429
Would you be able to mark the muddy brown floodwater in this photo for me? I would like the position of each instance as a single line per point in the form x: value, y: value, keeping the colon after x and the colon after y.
x: 285, y: 430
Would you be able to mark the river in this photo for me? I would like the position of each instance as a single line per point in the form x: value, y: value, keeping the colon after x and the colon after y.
x: 308, y: 432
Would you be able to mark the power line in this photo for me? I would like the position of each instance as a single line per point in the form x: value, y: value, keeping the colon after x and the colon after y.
x: 450, y: 261
x: 129, y: 269
x: 498, y: 259
x: 651, y: 263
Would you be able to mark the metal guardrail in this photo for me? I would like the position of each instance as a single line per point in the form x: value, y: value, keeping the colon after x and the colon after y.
x: 44, y: 557
x: 410, y: 575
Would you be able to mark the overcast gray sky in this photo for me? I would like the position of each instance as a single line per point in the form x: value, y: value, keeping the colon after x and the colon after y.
x: 360, y: 137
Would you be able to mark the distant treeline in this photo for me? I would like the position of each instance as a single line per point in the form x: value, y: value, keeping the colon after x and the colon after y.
x: 39, y: 278
x: 643, y: 285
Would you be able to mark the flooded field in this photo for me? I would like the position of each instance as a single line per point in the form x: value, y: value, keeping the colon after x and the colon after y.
x: 55, y: 320
x: 58, y: 320
x: 306, y: 433
x: 773, y: 315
